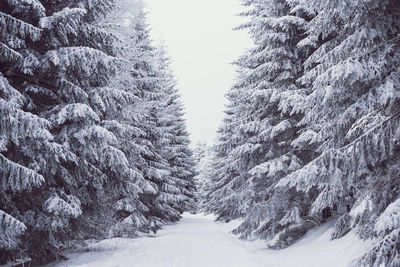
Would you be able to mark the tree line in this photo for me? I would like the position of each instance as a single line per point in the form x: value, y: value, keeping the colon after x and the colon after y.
x: 93, y: 143
x: 311, y: 131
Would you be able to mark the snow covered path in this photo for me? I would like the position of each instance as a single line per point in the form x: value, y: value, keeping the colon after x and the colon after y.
x: 198, y: 241
x: 195, y: 241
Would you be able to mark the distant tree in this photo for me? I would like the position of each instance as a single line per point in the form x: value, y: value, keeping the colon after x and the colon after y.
x: 221, y: 197
x: 203, y: 155
x: 161, y: 151
x: 178, y: 151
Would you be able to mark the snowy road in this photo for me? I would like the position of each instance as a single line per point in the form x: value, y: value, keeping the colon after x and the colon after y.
x: 198, y: 241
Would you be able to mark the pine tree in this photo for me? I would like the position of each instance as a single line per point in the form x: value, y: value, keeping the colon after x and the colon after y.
x: 260, y: 151
x: 177, y: 150
x: 55, y: 54
x: 334, y: 109
x: 222, y: 198
x: 28, y: 150
x: 274, y: 65
x: 125, y: 113
x: 163, y: 146
x: 17, y: 127
x: 84, y: 120
x: 352, y: 109
x: 203, y: 155
x: 155, y: 168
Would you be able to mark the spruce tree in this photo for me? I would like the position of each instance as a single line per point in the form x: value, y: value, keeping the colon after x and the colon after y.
x: 203, y: 155
x: 177, y: 150
x: 63, y: 55
x: 260, y: 150
x: 92, y: 139
x: 315, y: 123
x: 222, y: 197
x: 352, y: 106
x: 165, y: 159
x: 155, y: 168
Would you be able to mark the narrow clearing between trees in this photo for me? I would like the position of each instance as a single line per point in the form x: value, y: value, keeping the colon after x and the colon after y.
x: 199, y: 241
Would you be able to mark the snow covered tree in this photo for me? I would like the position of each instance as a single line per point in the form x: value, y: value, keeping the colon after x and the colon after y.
x: 351, y: 109
x: 19, y: 175
x: 259, y: 149
x: 145, y: 83
x: 87, y: 106
x: 222, y: 199
x: 315, y: 122
x: 154, y: 118
x: 28, y: 151
x: 54, y: 55
x: 176, y: 150
x: 203, y: 155
x: 122, y: 115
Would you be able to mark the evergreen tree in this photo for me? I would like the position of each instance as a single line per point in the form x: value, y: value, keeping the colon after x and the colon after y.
x: 26, y: 130
x: 78, y: 66
x: 203, y: 155
x: 315, y: 115
x: 124, y: 113
x: 164, y: 162
x: 65, y: 62
x: 260, y: 151
x: 156, y: 169
x: 273, y: 67
x: 312, y: 123
x: 222, y: 197
x: 352, y: 106
x: 177, y: 150
x: 92, y: 139
x: 29, y: 150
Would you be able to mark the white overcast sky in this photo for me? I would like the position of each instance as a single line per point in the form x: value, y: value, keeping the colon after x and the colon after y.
x: 201, y: 44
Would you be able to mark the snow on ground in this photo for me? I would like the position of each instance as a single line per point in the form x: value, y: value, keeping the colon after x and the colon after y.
x: 199, y: 241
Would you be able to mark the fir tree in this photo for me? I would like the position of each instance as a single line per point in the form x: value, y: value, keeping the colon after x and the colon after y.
x: 54, y: 74
x: 203, y: 155
x: 329, y: 119
x: 260, y: 151
x: 352, y: 107
x: 222, y: 199
x: 92, y: 139
x: 177, y: 150
x: 164, y: 163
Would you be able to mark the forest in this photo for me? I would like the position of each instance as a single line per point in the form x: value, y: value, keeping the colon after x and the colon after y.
x: 312, y: 126
x: 92, y: 139
x: 94, y: 145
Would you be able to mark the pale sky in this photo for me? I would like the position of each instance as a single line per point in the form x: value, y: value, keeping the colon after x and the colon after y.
x: 201, y: 44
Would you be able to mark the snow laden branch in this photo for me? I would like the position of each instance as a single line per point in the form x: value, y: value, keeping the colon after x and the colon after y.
x: 19, y: 28
x: 15, y: 177
x: 10, y: 229
x: 336, y: 168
